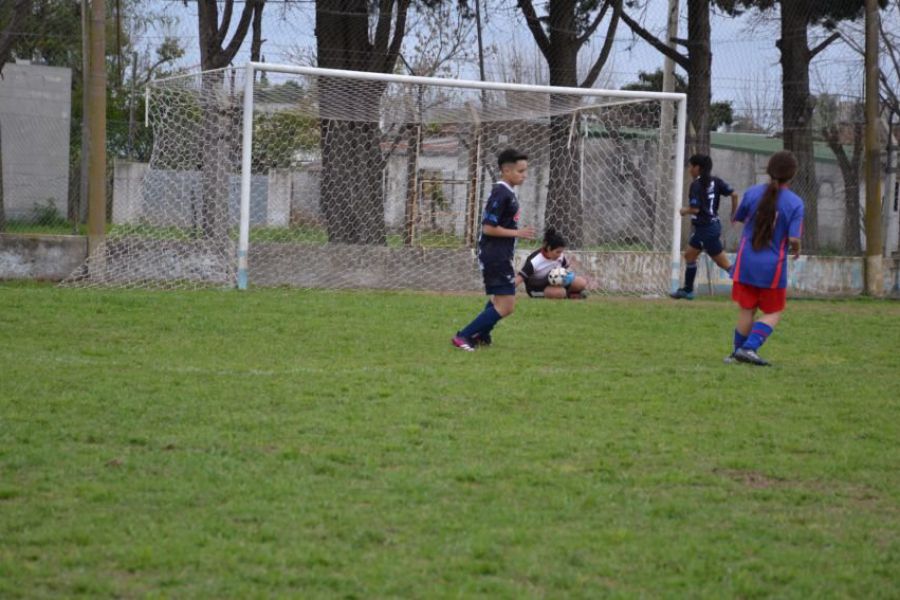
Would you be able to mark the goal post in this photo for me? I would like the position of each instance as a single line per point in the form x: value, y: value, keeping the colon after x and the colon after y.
x: 280, y: 175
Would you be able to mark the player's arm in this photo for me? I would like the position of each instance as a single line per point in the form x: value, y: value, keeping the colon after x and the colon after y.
x: 693, y: 206
x: 795, y: 230
x: 504, y: 232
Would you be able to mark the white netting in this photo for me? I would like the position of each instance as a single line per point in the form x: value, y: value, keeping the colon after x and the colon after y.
x: 380, y: 184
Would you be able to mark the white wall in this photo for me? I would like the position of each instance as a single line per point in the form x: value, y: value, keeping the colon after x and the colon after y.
x: 35, y: 112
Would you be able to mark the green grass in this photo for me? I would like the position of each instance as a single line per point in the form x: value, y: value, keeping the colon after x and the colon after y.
x: 319, y: 444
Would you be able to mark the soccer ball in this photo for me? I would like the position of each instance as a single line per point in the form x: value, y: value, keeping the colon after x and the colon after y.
x: 557, y: 276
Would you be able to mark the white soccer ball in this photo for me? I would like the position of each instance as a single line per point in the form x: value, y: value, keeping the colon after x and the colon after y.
x: 557, y: 276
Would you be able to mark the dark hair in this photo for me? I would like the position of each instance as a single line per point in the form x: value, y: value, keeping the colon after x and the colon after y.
x: 510, y: 156
x: 553, y: 239
x: 782, y: 168
x: 705, y: 163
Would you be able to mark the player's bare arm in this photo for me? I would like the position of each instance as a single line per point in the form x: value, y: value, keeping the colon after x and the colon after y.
x: 497, y: 231
x: 795, y: 246
x: 687, y: 210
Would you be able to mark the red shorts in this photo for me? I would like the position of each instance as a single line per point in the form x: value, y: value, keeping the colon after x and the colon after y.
x: 765, y: 299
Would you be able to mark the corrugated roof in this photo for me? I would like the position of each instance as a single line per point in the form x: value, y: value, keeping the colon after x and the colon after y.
x: 758, y: 143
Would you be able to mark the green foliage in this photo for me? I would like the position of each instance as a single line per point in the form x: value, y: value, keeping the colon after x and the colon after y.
x: 720, y: 113
x: 818, y: 12
x: 279, y: 138
x: 46, y: 213
x: 344, y: 449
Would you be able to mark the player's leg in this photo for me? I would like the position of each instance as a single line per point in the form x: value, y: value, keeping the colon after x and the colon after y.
x: 771, y: 303
x: 715, y: 249
x: 555, y: 292
x: 576, y: 289
x: 745, y: 297
x: 499, y: 281
x: 690, y: 268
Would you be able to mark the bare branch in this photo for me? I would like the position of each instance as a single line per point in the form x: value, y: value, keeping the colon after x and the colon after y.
x: 827, y: 42
x: 240, y: 32
x: 607, y: 46
x: 399, y: 32
x: 682, y: 60
x: 534, y: 24
x: 593, y: 26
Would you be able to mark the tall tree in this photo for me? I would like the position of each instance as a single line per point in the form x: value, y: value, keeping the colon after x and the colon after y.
x: 837, y: 125
x: 12, y: 18
x: 219, y: 112
x: 796, y: 19
x: 697, y: 63
x: 560, y: 35
x: 352, y: 161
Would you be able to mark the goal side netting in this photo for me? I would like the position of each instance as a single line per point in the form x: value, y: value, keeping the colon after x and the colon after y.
x: 270, y: 175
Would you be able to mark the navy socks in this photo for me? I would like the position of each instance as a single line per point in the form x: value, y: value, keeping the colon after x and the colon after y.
x: 483, y: 323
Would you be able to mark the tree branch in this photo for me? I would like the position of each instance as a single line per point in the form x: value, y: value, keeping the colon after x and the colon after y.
x: 256, y: 40
x: 593, y: 26
x: 241, y: 31
x: 382, y: 38
x: 827, y: 42
x: 399, y: 33
x: 222, y: 30
x: 607, y: 46
x: 534, y: 24
x: 680, y: 59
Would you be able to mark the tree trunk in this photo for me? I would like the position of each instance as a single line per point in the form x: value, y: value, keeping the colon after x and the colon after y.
x: 352, y: 162
x: 797, y: 107
x: 215, y: 168
x: 699, y: 72
x: 850, y: 171
x: 565, y: 209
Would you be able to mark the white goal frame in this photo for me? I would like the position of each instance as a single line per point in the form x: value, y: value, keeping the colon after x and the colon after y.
x: 247, y: 142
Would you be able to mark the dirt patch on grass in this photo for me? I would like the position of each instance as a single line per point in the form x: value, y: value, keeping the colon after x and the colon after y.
x: 752, y: 479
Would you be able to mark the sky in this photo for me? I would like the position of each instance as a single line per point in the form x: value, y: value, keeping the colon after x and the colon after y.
x: 745, y: 71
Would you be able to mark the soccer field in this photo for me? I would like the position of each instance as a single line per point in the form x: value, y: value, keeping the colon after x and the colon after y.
x: 318, y: 444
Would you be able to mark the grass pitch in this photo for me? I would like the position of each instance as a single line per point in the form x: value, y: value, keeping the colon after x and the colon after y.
x: 316, y: 444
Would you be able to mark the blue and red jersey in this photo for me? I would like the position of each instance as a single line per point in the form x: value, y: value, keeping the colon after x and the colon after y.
x: 767, y: 267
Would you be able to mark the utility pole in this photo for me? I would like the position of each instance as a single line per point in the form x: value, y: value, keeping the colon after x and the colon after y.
x: 97, y: 95
x: 81, y: 209
x: 874, y: 262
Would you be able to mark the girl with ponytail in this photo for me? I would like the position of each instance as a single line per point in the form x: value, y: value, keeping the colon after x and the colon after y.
x: 706, y: 229
x: 773, y: 221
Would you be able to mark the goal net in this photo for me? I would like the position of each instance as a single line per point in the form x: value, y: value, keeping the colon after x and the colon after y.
x: 270, y: 175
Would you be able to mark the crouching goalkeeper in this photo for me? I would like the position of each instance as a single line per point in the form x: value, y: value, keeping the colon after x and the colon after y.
x: 535, y: 271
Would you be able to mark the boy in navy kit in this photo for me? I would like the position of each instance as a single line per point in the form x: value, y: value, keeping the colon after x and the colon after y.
x: 706, y: 229
x: 773, y: 221
x: 496, y: 250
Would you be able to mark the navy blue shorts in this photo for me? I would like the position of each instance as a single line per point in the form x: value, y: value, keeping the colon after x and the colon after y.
x: 707, y: 237
x: 499, y: 278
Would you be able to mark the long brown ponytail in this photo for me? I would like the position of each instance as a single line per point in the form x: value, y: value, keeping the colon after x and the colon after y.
x: 782, y: 168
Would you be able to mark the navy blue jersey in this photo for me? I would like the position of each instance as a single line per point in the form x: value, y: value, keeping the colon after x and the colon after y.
x: 707, y: 201
x: 501, y: 210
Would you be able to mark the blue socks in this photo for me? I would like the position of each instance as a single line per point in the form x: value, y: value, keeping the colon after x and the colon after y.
x: 690, y: 273
x: 483, y: 323
x: 758, y: 334
x: 739, y: 339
